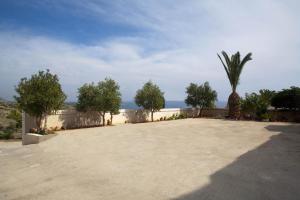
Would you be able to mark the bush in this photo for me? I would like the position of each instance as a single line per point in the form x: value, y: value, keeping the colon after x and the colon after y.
x: 177, y: 116
x: 15, y: 115
x: 265, y: 116
x: 287, y: 99
x: 182, y: 116
x: 42, y: 132
x: 255, y: 106
x: 6, y: 134
x: 173, y: 117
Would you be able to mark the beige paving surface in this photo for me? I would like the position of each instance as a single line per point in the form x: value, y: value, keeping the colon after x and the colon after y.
x: 183, y: 159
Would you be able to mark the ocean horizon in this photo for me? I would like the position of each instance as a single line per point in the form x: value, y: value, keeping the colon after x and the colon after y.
x: 169, y: 104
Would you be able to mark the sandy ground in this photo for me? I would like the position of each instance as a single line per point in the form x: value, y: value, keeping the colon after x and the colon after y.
x: 183, y: 159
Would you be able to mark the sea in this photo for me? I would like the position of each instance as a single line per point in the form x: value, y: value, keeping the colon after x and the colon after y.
x: 169, y: 104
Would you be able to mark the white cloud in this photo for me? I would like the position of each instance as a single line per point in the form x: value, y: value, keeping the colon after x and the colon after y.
x: 179, y: 45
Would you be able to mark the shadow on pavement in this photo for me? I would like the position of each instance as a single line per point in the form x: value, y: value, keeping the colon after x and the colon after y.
x: 271, y: 171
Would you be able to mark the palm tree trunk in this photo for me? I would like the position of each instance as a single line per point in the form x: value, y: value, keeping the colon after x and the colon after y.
x: 234, y: 105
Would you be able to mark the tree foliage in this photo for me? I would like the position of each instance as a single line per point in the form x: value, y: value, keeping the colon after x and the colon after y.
x: 88, y: 98
x: 233, y: 67
x: 40, y: 95
x: 105, y: 97
x: 287, y: 99
x: 111, y: 95
x: 202, y: 96
x: 256, y: 105
x: 150, y: 97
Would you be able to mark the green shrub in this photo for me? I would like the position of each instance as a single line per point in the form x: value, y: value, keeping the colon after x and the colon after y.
x: 171, y: 118
x: 265, y: 116
x: 6, y: 134
x: 15, y: 115
x: 177, y: 116
x: 182, y: 116
x: 42, y: 132
x: 256, y: 106
x: 287, y: 99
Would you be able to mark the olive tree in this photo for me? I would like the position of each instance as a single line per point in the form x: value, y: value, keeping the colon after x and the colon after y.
x: 200, y: 96
x: 111, y: 95
x: 150, y: 97
x: 40, y: 95
x: 103, y: 98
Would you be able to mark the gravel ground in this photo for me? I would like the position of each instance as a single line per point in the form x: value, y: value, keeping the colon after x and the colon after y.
x: 182, y: 159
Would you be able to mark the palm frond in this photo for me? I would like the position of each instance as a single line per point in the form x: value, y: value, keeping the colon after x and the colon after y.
x: 246, y: 59
x: 227, y: 72
x: 234, y: 66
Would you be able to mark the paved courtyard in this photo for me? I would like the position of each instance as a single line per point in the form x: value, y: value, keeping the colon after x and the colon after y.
x: 182, y: 159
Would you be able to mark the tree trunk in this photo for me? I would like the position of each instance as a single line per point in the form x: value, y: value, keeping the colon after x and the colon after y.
x: 103, y: 119
x: 111, y: 118
x: 151, y: 115
x: 38, y: 121
x: 45, y: 122
x: 200, y: 113
x: 234, y: 106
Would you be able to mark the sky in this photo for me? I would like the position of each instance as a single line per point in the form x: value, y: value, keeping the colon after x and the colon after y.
x: 171, y: 42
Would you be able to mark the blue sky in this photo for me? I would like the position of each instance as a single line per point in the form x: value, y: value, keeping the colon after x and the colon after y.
x: 170, y: 42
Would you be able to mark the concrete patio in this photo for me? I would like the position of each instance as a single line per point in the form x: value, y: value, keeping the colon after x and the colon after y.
x: 182, y: 159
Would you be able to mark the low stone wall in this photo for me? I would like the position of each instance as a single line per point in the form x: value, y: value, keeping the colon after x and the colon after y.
x: 69, y: 119
x: 285, y: 115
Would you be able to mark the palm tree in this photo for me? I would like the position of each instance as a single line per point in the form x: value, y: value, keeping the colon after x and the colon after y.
x: 233, y: 68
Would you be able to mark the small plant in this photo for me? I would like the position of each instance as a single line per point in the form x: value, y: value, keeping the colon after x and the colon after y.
x: 182, y: 116
x: 173, y: 117
x: 266, y: 117
x: 42, y: 132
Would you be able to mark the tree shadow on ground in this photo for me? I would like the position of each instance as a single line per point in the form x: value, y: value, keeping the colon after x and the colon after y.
x: 136, y: 116
x: 74, y: 119
x: 271, y: 171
